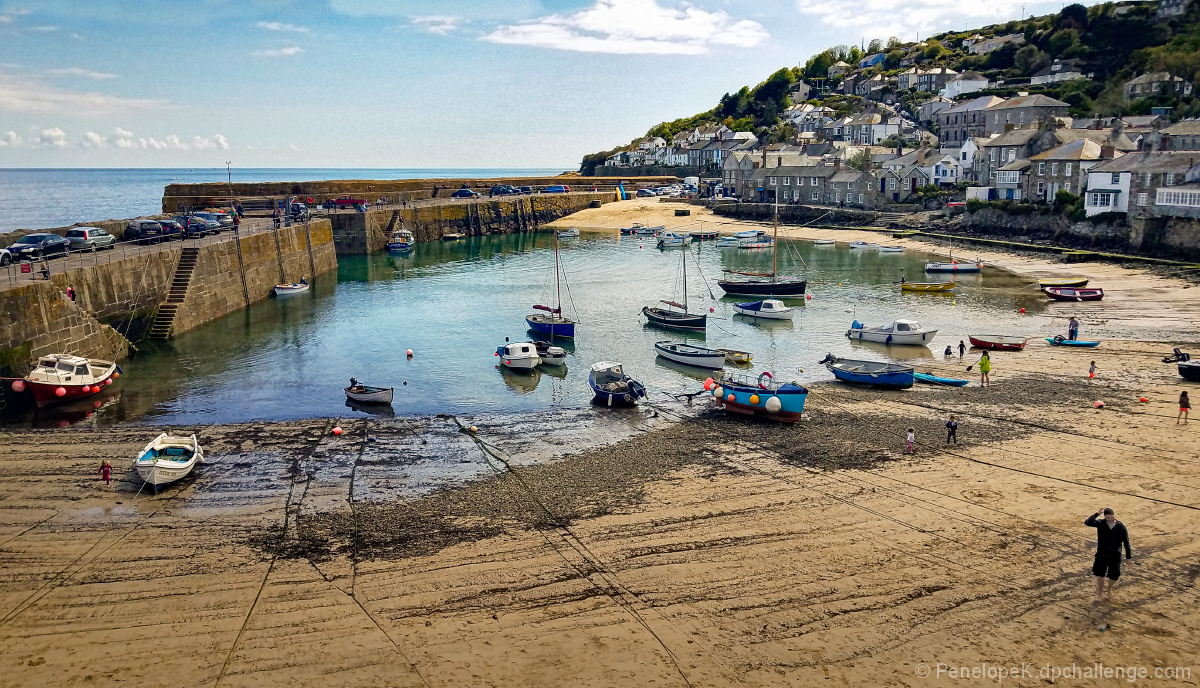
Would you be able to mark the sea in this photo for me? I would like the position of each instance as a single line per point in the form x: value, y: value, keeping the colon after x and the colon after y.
x: 44, y: 198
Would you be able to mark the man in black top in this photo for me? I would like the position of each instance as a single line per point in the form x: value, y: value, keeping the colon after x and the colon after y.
x: 1111, y: 534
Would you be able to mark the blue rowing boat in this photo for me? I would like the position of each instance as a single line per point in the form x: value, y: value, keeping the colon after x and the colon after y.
x: 935, y: 380
x: 1063, y: 341
x: 874, y: 373
x: 760, y: 396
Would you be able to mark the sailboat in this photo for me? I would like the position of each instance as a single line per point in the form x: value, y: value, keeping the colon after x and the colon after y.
x: 551, y: 321
x: 773, y: 285
x: 672, y: 319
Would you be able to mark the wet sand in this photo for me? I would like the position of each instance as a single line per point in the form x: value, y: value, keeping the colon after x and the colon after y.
x: 700, y: 551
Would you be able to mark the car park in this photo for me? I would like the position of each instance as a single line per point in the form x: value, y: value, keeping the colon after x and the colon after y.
x: 143, y: 231
x: 40, y: 245
x: 557, y: 188
x: 90, y: 239
x: 464, y: 193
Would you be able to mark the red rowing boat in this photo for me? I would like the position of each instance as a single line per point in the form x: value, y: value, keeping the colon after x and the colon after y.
x: 1074, y: 294
x: 63, y: 377
x: 998, y: 342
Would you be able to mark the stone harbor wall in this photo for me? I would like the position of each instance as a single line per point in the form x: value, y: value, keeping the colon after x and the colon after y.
x: 40, y: 319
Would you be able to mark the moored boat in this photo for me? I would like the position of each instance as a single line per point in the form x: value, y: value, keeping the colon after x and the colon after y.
x: 1074, y: 293
x: 642, y: 230
x: 862, y: 245
x: 735, y: 356
x: 167, y: 459
x: 687, y: 354
x: 680, y: 319
x: 875, y: 373
x: 550, y: 355
x: 1060, y: 340
x: 728, y: 242
x: 761, y: 396
x: 453, y: 236
x: 896, y: 332
x: 291, y: 289
x: 891, y: 249
x: 704, y: 234
x: 551, y: 321
x: 673, y: 240
x: 767, y: 308
x: 519, y: 356
x: 998, y: 342
x: 402, y: 240
x: 569, y: 233
x: 954, y: 266
x: 936, y: 380
x: 63, y: 377
x: 824, y: 242
x: 761, y: 241
x: 928, y: 286
x: 1063, y: 282
x: 366, y: 394
x: 747, y: 234
x: 612, y: 386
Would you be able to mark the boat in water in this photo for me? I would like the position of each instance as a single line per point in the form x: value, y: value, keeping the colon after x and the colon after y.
x: 761, y: 241
x: 904, y: 332
x: 569, y: 233
x: 673, y: 240
x: 366, y: 394
x: 728, y: 242
x: 640, y: 229
x: 927, y: 286
x: 1074, y: 293
x: 519, y: 356
x: 769, y: 284
x: 874, y: 373
x: 824, y: 242
x: 998, y: 342
x: 704, y: 234
x: 551, y: 321
x: 747, y: 234
x: 862, y: 245
x: 761, y: 396
x: 694, y: 356
x: 891, y: 249
x: 1063, y: 282
x: 63, y: 377
x: 402, y: 240
x: 737, y: 357
x: 167, y: 459
x: 550, y: 355
x: 954, y: 266
x: 673, y: 319
x: 453, y: 236
x: 612, y: 387
x: 767, y: 308
x: 291, y: 289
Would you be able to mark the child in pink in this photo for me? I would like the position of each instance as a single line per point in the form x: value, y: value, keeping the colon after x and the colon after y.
x: 106, y: 471
x: 912, y: 437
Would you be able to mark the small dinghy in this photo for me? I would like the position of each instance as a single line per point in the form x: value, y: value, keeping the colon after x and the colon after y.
x: 927, y: 286
x: 891, y: 249
x: 761, y: 396
x: 874, y: 373
x: 728, y: 242
x: 998, y: 342
x: 862, y: 245
x: 453, y: 236
x: 704, y: 234
x: 767, y: 308
x: 551, y: 355
x: 747, y: 234
x: 935, y: 380
x: 760, y: 241
x: 366, y: 394
x: 824, y: 242
x: 402, y: 240
x: 639, y: 229
x: 896, y: 332
x: 954, y: 266
x: 687, y: 354
x: 167, y: 459
x: 612, y: 386
x: 1059, y: 340
x: 569, y: 233
x: 1074, y: 293
x: 673, y: 240
x: 522, y: 356
x: 291, y: 289
x: 735, y: 356
x: 1063, y: 282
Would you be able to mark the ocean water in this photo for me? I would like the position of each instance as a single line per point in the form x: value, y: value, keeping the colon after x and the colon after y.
x: 43, y: 198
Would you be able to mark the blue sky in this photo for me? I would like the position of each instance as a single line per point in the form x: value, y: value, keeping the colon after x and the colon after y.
x: 400, y: 83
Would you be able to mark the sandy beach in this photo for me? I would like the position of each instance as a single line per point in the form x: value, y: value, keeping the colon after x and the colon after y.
x: 697, y: 550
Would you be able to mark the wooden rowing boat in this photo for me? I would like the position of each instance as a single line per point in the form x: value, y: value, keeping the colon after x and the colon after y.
x: 998, y: 342
x: 1074, y: 294
x: 928, y: 286
x: 1063, y: 282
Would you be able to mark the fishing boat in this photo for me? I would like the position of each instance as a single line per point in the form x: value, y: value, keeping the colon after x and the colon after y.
x: 453, y: 236
x: 935, y: 380
x: 167, y: 459
x: 824, y: 242
x: 891, y: 249
x: 862, y: 245
x: 927, y: 286
x: 893, y: 375
x: 955, y: 266
x: 521, y: 356
x: 1063, y: 282
x: 728, y: 242
x: 1060, y: 340
x: 63, y: 377
x: 747, y: 234
x: 998, y: 342
x: 551, y: 321
x: 1190, y: 370
x: 643, y: 230
x: 630, y: 231
x: 767, y: 308
x: 551, y: 355
x: 1074, y: 293
x: 761, y: 241
x: 291, y: 289
x: 735, y: 356
x: 761, y: 396
x: 768, y: 284
x: 569, y: 233
x: 673, y: 240
x: 612, y: 386
x: 896, y: 332
x: 705, y: 234
x: 687, y: 354
x: 402, y: 240
x: 676, y: 319
x: 366, y: 394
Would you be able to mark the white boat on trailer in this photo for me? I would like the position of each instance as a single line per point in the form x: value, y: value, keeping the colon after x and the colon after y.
x: 167, y: 459
x: 687, y: 354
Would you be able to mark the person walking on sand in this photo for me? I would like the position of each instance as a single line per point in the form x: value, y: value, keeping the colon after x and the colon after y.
x: 1185, y: 405
x: 1092, y: 371
x: 1073, y: 329
x: 985, y: 369
x: 962, y: 349
x: 1111, y: 534
x: 951, y: 431
x: 106, y: 472
x: 910, y: 441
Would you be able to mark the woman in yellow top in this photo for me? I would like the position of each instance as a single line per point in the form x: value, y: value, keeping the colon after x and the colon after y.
x: 985, y: 367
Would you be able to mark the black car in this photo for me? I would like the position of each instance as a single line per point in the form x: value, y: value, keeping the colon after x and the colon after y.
x: 464, y: 193
x: 193, y: 226
x: 504, y: 190
x: 525, y: 190
x: 171, y: 230
x: 33, y: 246
x: 147, y: 231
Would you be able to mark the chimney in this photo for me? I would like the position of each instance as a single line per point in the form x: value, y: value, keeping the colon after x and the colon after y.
x: 1118, y: 127
x: 1107, y: 152
x: 837, y: 163
x: 899, y: 148
x: 1164, y: 143
x: 867, y: 164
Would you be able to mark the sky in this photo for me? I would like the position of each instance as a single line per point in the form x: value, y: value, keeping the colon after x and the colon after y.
x: 402, y: 83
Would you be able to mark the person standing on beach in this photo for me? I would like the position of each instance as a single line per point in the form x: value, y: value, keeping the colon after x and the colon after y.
x: 962, y: 349
x: 951, y: 431
x: 106, y: 472
x: 1185, y: 405
x: 1111, y: 534
x: 910, y: 441
x: 985, y: 368
x: 1073, y: 329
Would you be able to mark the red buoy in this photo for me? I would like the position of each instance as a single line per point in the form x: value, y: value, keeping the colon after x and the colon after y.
x: 337, y: 430
x: 59, y: 391
x: 18, y: 385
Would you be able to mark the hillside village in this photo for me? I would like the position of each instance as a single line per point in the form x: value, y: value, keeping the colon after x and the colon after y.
x: 1088, y: 114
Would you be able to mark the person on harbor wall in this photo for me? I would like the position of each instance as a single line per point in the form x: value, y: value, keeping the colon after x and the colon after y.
x: 1073, y: 329
x: 1111, y: 534
x: 71, y: 292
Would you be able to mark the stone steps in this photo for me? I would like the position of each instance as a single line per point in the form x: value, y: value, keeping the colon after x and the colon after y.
x: 164, y: 318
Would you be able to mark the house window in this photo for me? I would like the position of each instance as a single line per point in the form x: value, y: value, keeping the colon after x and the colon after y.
x: 1116, y: 177
x: 860, y: 198
x: 1041, y: 189
x: 799, y: 181
x: 892, y: 185
x: 1054, y: 169
x: 1143, y: 199
x: 787, y: 181
x: 1101, y: 200
x: 1147, y: 178
x: 1041, y: 169
x: 812, y: 181
x: 1170, y: 181
x: 772, y: 181
x: 1067, y: 171
x: 814, y: 195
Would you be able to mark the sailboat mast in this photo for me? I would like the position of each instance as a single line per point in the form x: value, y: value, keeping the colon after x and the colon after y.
x: 775, y: 239
x: 685, y: 252
x: 557, y: 276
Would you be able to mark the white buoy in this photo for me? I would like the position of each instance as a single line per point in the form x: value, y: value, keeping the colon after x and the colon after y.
x: 773, y: 405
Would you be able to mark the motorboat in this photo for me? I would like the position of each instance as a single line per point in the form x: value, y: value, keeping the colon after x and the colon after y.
x: 761, y: 396
x: 824, y: 242
x: 895, y: 332
x: 402, y: 240
x: 366, y: 394
x: 1060, y: 340
x: 1063, y: 282
x: 550, y: 355
x: 291, y: 289
x: 673, y: 240
x: 875, y: 373
x: 167, y: 459
x: 704, y: 234
x: 767, y: 308
x: 1190, y: 370
x: 569, y: 233
x: 891, y: 249
x: 735, y: 356
x: 1074, y: 293
x: 927, y: 286
x: 63, y: 377
x: 862, y: 245
x: 954, y: 266
x: 761, y: 241
x: 998, y: 342
x: 687, y: 354
x: 519, y: 356
x: 728, y: 242
x: 640, y: 229
x: 612, y: 386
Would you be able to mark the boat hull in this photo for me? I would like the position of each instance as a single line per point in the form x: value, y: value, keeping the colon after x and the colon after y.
x: 768, y: 315
x: 1190, y: 370
x: 1073, y: 294
x: 928, y: 286
x: 156, y: 466
x: 161, y: 474
x: 1055, y: 341
x: 520, y: 364
x: 290, y: 289
x: 555, y: 327
x: 752, y: 401
x: 698, y: 358
x: 763, y: 287
x: 675, y: 321
x: 997, y: 342
x: 1063, y: 282
x: 894, y: 380
x: 899, y: 339
x: 935, y: 380
x: 606, y: 397
x: 399, y: 248
x: 45, y: 393
x: 953, y: 267
x: 371, y: 395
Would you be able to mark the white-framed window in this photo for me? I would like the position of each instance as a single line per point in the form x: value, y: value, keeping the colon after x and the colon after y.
x: 1101, y: 200
x: 1067, y: 170
x: 1147, y: 178
x: 1054, y: 169
x: 772, y: 181
x: 799, y: 181
x: 1189, y: 199
x: 1116, y: 177
x: 796, y: 195
x: 860, y: 198
x: 1170, y: 179
x: 815, y: 195
x: 1041, y: 169
x: 1143, y: 199
x: 787, y: 181
x: 893, y: 183
x: 813, y: 181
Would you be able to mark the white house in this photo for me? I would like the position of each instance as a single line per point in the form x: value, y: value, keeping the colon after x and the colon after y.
x: 1107, y: 192
x: 945, y: 170
x: 966, y: 82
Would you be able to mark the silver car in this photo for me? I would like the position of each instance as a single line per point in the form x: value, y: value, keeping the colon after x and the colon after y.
x: 90, y: 239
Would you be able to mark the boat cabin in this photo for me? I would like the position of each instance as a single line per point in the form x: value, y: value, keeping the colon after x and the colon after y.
x: 64, y: 368
x: 520, y: 350
x: 905, y: 326
x: 609, y: 376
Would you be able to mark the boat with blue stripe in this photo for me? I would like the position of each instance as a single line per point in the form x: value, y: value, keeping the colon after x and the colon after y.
x: 935, y: 380
x: 874, y: 373
x: 761, y: 396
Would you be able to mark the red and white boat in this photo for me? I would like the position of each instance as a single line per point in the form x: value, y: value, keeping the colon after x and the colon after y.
x: 998, y: 342
x: 1074, y: 294
x: 63, y: 377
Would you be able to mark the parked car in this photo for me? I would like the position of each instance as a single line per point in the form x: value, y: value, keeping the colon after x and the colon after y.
x: 348, y: 201
x: 643, y: 193
x: 41, y: 245
x: 557, y: 188
x: 223, y: 216
x: 217, y: 218
x: 526, y: 189
x: 464, y: 193
x: 504, y: 190
x: 5, y: 257
x: 90, y: 239
x: 192, y: 226
x: 171, y: 230
x: 143, y: 231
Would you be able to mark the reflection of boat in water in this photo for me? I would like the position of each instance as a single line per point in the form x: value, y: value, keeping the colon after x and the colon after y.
x: 763, y: 323
x: 901, y: 353
x: 522, y: 382
x: 693, y: 372
x: 381, y: 410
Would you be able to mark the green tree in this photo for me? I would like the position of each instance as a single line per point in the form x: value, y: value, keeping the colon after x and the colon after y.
x: 894, y: 43
x: 1064, y: 41
x: 934, y: 49
x: 1029, y: 59
x: 858, y: 161
x: 875, y: 46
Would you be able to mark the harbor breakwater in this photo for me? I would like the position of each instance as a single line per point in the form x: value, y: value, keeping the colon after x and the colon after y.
x: 117, y: 299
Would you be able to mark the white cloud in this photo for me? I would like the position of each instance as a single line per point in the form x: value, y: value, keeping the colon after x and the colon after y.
x: 54, y: 137
x: 122, y: 138
x: 10, y: 140
x: 289, y: 51
x: 79, y: 71
x: 633, y: 27
x: 93, y: 140
x: 5, y: 19
x: 23, y: 94
x: 440, y: 25
x: 882, y: 18
x: 221, y: 141
x: 279, y: 26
